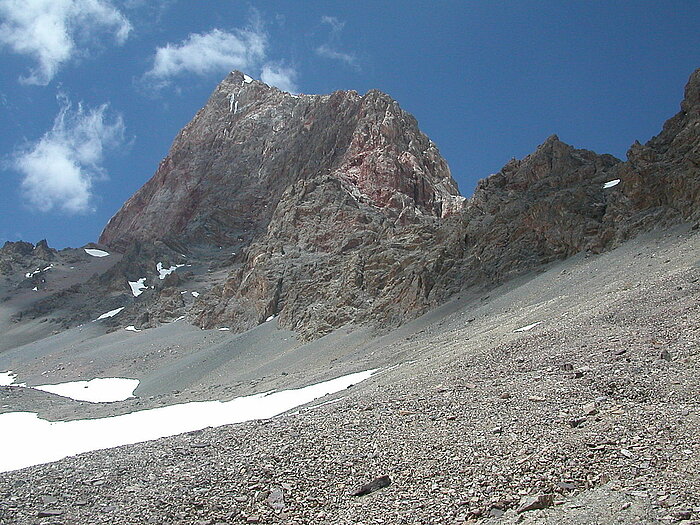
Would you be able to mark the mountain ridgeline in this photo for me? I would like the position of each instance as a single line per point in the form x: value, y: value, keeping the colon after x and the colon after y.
x: 338, y: 210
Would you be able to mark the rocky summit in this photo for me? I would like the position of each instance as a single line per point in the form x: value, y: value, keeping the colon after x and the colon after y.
x: 530, y: 352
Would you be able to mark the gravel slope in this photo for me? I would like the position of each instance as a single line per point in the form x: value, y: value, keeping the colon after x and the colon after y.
x: 598, y: 406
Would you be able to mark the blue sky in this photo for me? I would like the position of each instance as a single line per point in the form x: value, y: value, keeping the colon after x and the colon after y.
x: 92, y: 92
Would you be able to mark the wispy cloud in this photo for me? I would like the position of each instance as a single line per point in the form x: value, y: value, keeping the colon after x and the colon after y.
x: 206, y: 53
x: 52, y: 32
x: 330, y: 48
x: 279, y: 76
x: 326, y: 51
x: 335, y: 24
x: 60, y: 168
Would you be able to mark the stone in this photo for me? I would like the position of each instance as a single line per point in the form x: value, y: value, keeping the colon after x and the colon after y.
x: 48, y: 513
x: 374, y: 485
x: 577, y: 422
x: 681, y: 515
x: 276, y: 499
x: 589, y: 409
x: 540, y: 501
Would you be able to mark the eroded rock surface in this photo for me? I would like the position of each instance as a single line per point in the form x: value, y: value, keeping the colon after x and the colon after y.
x: 340, y: 210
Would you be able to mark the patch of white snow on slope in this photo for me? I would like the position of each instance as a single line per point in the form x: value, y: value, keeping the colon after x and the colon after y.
x: 528, y: 327
x: 611, y: 183
x: 131, y: 328
x: 137, y: 287
x: 164, y: 272
x: 111, y: 313
x: 99, y: 390
x: 96, y: 253
x: 7, y: 378
x: 33, y: 441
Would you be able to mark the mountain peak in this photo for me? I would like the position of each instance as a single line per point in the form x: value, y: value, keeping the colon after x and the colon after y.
x: 228, y: 168
x: 691, y: 100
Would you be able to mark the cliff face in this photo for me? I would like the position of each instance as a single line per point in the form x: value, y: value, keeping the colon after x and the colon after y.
x: 660, y: 182
x: 341, y: 211
x: 229, y: 167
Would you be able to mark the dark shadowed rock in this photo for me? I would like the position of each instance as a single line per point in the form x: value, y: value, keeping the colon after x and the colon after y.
x: 374, y: 485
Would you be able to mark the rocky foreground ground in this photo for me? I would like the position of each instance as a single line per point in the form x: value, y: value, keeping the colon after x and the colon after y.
x: 593, y: 414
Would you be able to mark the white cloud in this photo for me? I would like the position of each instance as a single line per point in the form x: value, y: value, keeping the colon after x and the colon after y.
x: 50, y: 30
x: 326, y: 51
x: 206, y: 53
x: 336, y: 25
x: 281, y: 77
x: 60, y: 168
x: 329, y: 49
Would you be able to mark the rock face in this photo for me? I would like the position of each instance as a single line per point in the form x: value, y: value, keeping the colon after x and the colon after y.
x: 18, y: 255
x: 661, y: 179
x: 547, y: 206
x: 229, y: 167
x: 341, y: 211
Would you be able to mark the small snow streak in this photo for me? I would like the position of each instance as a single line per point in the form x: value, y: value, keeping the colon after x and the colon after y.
x: 528, y: 327
x: 109, y: 314
x: 611, y: 183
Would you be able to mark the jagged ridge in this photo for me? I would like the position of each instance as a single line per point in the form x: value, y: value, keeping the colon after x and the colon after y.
x: 345, y: 213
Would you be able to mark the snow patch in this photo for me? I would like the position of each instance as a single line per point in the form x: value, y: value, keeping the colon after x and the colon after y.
x: 33, y: 441
x: 109, y: 314
x: 131, y: 328
x: 29, y: 275
x: 528, y: 327
x: 137, y: 287
x: 96, y: 253
x: 35, y: 289
x: 224, y: 329
x: 611, y: 183
x: 195, y: 294
x: 164, y: 272
x: 247, y: 79
x: 99, y: 390
x: 269, y: 319
x: 231, y: 101
x: 7, y: 378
